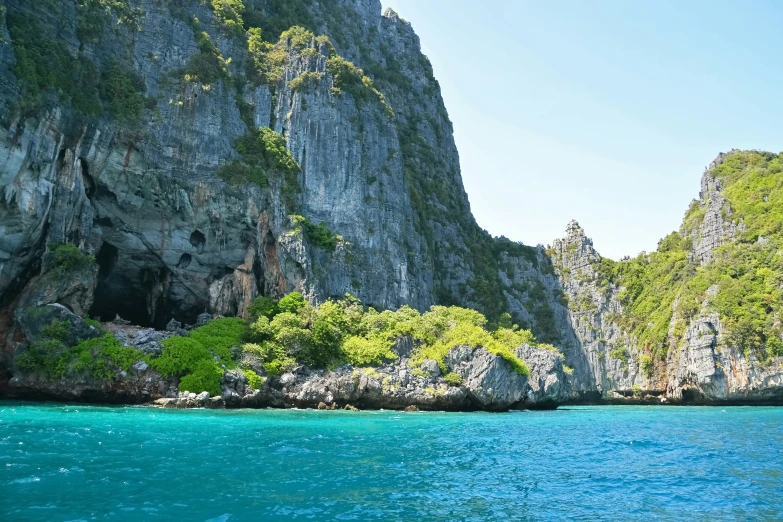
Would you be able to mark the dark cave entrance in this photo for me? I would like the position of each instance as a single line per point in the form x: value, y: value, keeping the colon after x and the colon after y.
x: 117, y: 294
x: 141, y: 290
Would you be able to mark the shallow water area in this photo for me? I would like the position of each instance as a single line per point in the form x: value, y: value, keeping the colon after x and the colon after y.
x: 76, y: 462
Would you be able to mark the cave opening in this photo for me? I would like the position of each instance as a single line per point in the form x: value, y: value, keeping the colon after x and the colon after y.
x: 198, y: 240
x: 184, y: 261
x: 118, y: 291
x: 140, y: 289
x: 87, y: 181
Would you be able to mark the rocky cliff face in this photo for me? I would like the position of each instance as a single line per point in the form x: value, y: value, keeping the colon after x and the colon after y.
x: 173, y: 240
x: 703, y: 362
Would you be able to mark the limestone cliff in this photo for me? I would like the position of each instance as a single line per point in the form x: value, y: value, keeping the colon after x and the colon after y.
x: 697, y: 320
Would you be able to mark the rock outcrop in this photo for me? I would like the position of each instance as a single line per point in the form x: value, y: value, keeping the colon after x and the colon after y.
x: 487, y: 382
x: 703, y: 363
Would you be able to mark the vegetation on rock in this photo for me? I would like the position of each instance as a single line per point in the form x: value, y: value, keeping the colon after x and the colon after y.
x: 201, y: 358
x: 663, y: 291
x: 99, y: 358
x: 48, y: 73
x: 344, y: 331
x: 263, y: 153
x: 317, y: 235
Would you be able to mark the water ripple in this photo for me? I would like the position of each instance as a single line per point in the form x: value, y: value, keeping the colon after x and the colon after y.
x: 596, y: 463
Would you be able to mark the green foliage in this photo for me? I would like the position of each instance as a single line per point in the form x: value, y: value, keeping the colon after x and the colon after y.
x: 363, y: 351
x: 262, y: 306
x: 291, y: 303
x: 204, y: 376
x: 228, y: 14
x: 180, y: 355
x: 253, y: 379
x: 207, y: 66
x: 121, y: 91
x: 48, y: 73
x: 346, y: 76
x: 344, y: 331
x: 266, y: 60
x: 264, y: 153
x: 317, y: 235
x: 68, y: 257
x: 453, y: 379
x: 100, y: 358
x: 746, y: 273
x: 620, y: 354
x: 200, y: 359
x: 280, y: 15
x: 463, y: 330
x: 46, y: 70
x: 93, y: 16
x: 305, y: 81
x: 647, y: 365
x: 237, y: 174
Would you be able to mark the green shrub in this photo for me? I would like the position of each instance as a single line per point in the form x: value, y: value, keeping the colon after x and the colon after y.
x: 93, y: 16
x: 362, y: 351
x: 263, y: 154
x: 47, y: 71
x: 237, y: 174
x: 262, y: 306
x: 317, y: 235
x: 100, y: 358
x: 253, y: 379
x: 207, y: 66
x: 200, y: 359
x: 453, y: 379
x: 620, y: 354
x: 122, y: 92
x: 180, y: 355
x: 204, y: 377
x: 346, y: 76
x: 220, y: 335
x: 291, y: 303
x: 305, y: 81
x: 228, y: 14
x: 646, y: 363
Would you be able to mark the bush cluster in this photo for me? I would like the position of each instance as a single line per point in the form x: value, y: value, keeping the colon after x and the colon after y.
x: 201, y: 359
x: 317, y: 235
x: 93, y: 16
x: 99, y: 358
x: 343, y: 331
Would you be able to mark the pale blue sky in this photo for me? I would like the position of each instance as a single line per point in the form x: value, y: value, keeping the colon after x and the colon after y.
x: 606, y: 112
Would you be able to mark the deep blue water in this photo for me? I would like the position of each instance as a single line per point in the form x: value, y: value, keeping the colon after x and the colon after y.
x: 62, y: 462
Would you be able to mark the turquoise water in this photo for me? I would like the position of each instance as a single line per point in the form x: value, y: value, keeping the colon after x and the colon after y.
x: 65, y: 462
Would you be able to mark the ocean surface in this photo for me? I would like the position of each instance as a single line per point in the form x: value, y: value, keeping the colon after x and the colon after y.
x: 74, y: 462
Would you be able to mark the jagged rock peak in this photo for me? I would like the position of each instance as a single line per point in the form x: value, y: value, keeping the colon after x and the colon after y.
x: 722, y: 156
x: 573, y: 229
x: 575, y: 249
x: 392, y: 15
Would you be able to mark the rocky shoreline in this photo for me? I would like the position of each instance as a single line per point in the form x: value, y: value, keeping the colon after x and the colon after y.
x: 486, y: 382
